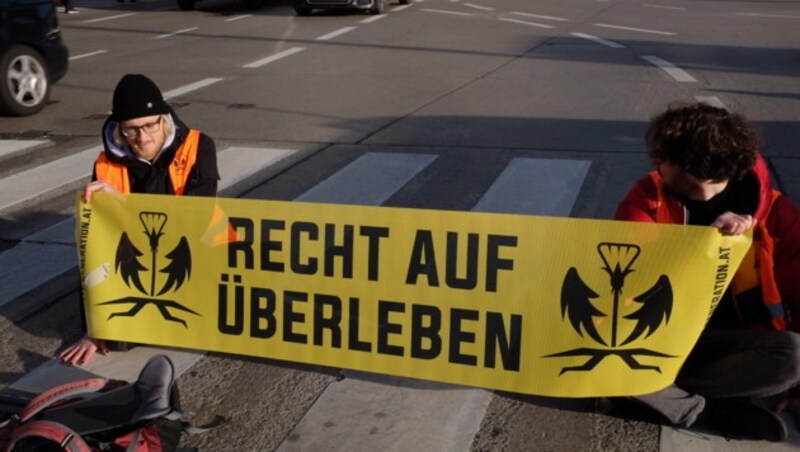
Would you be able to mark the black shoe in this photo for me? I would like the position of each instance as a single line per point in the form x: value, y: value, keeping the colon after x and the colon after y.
x: 740, y: 419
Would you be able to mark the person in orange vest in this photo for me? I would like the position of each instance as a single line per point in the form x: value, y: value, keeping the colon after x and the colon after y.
x: 147, y: 149
x: 708, y: 172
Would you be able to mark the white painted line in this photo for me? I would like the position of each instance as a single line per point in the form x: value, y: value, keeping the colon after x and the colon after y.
x: 397, y: 9
x: 674, y: 71
x: 440, y: 11
x: 710, y: 100
x: 185, y: 30
x: 482, y: 8
x: 22, y: 186
x: 369, y: 180
x: 523, y: 22
x: 102, y: 19
x: 191, y: 87
x: 369, y: 20
x: 86, y: 55
x: 335, y: 33
x: 536, y: 187
x: 276, y: 57
x: 599, y: 40
x: 8, y: 147
x: 676, y: 8
x: 538, y: 16
x: 243, y: 16
x: 774, y: 16
x: 382, y: 413
x: 640, y: 30
x: 240, y: 163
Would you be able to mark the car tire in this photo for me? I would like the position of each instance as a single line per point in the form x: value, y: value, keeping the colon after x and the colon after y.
x: 378, y: 7
x: 25, y: 86
x: 404, y: 2
x: 186, y: 5
x: 301, y: 8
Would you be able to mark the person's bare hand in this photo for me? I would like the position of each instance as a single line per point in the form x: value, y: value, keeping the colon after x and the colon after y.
x: 83, y: 351
x: 791, y: 405
x: 730, y: 223
x: 98, y: 185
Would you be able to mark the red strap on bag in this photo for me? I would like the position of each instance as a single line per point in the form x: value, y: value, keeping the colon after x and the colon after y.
x: 59, y: 393
x: 53, y: 431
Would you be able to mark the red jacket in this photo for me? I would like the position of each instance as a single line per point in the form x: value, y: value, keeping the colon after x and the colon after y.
x: 776, y: 237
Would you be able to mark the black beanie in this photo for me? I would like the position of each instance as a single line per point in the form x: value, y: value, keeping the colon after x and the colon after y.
x: 136, y: 96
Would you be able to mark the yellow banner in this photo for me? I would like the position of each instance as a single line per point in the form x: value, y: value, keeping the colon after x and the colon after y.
x: 538, y: 305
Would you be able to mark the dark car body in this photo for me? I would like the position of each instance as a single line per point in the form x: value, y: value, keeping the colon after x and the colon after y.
x: 305, y: 7
x: 32, y: 54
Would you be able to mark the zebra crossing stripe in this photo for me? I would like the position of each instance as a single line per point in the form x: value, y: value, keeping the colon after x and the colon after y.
x: 11, y: 147
x: 430, y: 415
x: 24, y: 186
x: 369, y: 180
x: 535, y: 187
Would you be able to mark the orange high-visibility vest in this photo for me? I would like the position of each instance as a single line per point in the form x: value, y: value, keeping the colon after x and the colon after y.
x: 757, y: 268
x: 116, y: 174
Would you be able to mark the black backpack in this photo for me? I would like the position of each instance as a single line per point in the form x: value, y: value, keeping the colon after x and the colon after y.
x: 97, y: 414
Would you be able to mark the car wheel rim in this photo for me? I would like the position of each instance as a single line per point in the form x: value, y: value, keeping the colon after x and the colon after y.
x: 27, y: 81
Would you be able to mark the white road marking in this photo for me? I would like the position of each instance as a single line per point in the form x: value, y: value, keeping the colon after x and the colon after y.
x: 640, y: 30
x: 8, y: 147
x: 674, y: 71
x: 24, y: 186
x: 440, y: 11
x: 102, y: 19
x: 402, y: 7
x: 191, y: 87
x: 369, y: 180
x: 539, y: 16
x: 533, y: 186
x: 676, y: 8
x: 335, y: 33
x: 599, y: 40
x: 243, y: 16
x: 774, y: 16
x: 369, y: 20
x: 185, y: 30
x: 483, y: 8
x: 86, y: 55
x: 523, y: 22
x: 710, y: 100
x: 276, y: 57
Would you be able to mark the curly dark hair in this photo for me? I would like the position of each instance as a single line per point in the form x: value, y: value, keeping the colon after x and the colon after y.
x: 707, y: 142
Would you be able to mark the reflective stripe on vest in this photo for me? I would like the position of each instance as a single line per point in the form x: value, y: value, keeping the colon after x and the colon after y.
x: 185, y: 158
x: 758, y: 266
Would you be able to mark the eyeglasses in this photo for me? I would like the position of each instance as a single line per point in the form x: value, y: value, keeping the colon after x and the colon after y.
x: 149, y: 128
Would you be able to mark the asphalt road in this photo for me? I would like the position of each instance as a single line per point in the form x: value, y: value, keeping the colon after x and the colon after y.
x: 476, y: 83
